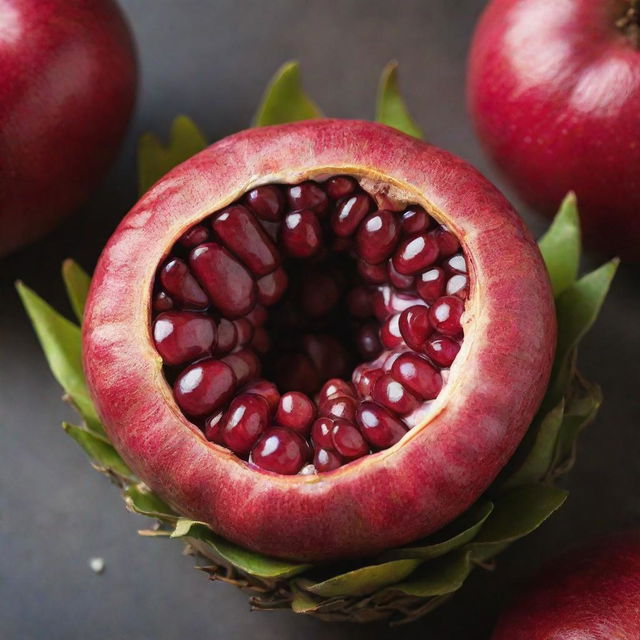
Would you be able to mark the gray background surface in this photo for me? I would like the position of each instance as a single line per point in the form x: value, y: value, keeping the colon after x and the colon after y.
x: 211, y: 60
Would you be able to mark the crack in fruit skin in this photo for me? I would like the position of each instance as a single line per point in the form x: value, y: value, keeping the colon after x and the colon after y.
x: 376, y: 501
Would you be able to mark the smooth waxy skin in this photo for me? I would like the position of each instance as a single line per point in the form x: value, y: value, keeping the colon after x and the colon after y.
x: 432, y: 474
x: 589, y: 594
x: 67, y: 88
x: 554, y: 91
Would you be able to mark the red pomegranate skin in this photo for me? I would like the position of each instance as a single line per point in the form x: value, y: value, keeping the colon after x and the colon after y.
x: 67, y: 89
x: 554, y: 91
x: 592, y: 593
x: 379, y: 501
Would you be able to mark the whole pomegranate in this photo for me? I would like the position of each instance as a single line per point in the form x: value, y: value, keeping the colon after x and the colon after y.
x: 554, y: 91
x: 67, y: 88
x: 589, y: 594
x: 322, y: 339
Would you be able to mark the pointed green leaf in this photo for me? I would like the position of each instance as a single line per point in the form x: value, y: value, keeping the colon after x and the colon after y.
x: 561, y: 246
x: 140, y: 499
x: 76, y: 281
x: 366, y: 580
x: 302, y: 601
x: 155, y: 159
x: 100, y: 450
x: 285, y: 100
x: 254, y: 564
x: 61, y: 342
x: 390, y: 107
x: 439, y: 577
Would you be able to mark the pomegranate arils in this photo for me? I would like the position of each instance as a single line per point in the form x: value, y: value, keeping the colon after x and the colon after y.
x: 349, y: 213
x: 213, y: 427
x: 266, y: 390
x: 377, y: 236
x: 181, y: 336
x: 445, y: 314
x: 415, y: 220
x: 415, y: 327
x: 379, y: 427
x: 390, y: 335
x: 295, y: 411
x: 335, y: 388
x: 257, y: 316
x: 368, y: 341
x: 455, y: 264
x: 204, y: 387
x: 430, y: 284
x: 241, y: 233
x: 326, y: 460
x: 301, y: 233
x: 458, y: 285
x: 374, y: 273
x: 279, y: 451
x: 348, y: 441
x: 267, y: 202
x: 228, y: 284
x: 341, y: 407
x: 320, y: 294
x: 245, y: 365
x: 359, y: 302
x: 340, y: 187
x: 321, y: 433
x: 296, y: 372
x: 162, y: 302
x: 272, y: 287
x: 391, y: 394
x: 308, y: 195
x: 247, y: 418
x: 417, y: 375
x: 195, y: 236
x: 179, y: 282
x: 447, y: 243
x: 227, y: 336
x: 397, y: 279
x: 244, y: 331
x: 364, y: 378
x: 442, y: 350
x: 414, y: 254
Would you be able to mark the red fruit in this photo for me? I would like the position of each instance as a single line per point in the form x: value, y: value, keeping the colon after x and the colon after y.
x: 340, y: 187
x: 246, y: 419
x: 415, y: 220
x: 180, y: 283
x: 430, y: 284
x: 301, y: 233
x: 390, y: 335
x: 266, y: 202
x: 349, y: 213
x: 213, y: 427
x: 195, y: 236
x: 416, y: 489
x: 414, y: 254
x: 162, y: 302
x: 558, y: 111
x: 308, y: 195
x: 348, y: 441
x: 442, y: 350
x: 591, y: 593
x: 67, y: 88
x: 415, y: 327
x: 368, y: 341
x: 181, y: 336
x: 296, y: 411
x: 227, y: 336
x: 458, y: 285
x: 445, y: 314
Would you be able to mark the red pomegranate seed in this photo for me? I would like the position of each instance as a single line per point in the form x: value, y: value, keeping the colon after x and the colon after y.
x: 267, y: 202
x: 379, y: 428
x: 397, y: 279
x: 348, y: 441
x: 340, y: 187
x: 245, y: 364
x: 261, y: 342
x: 296, y: 411
x: 227, y: 337
x: 195, y: 236
x: 247, y: 418
x: 327, y: 354
x: 430, y: 284
x: 308, y: 195
x: 280, y: 451
x: 455, y: 264
x: 415, y: 373
x: 364, y: 377
x: 244, y: 331
x: 368, y: 341
x: 320, y: 294
x: 266, y: 390
x: 401, y: 300
x: 458, y: 286
x: 182, y: 286
x: 335, y: 388
x: 181, y: 336
x: 415, y: 220
x: 213, y: 427
x: 374, y: 273
x: 326, y: 460
x: 390, y: 335
x: 162, y: 302
x: 447, y: 243
x: 415, y: 327
x: 381, y: 303
x: 359, y: 302
x: 321, y: 433
x: 241, y: 233
x: 415, y: 254
x: 301, y: 233
x: 377, y: 236
x: 257, y: 316
x: 445, y: 314
x: 392, y: 395
x: 349, y: 213
x: 296, y: 372
x: 229, y: 285
x: 391, y: 357
x: 343, y: 407
x: 204, y: 387
x: 272, y: 287
x: 442, y: 350
x: 272, y: 229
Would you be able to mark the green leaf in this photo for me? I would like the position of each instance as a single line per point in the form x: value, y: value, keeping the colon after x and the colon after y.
x: 302, y: 601
x: 541, y: 454
x: 444, y: 575
x: 284, y: 99
x: 61, y: 342
x: 140, y: 499
x: 76, y: 281
x: 390, y: 107
x: 463, y: 530
x: 100, y: 450
x: 254, y: 564
x: 155, y: 159
x: 366, y: 580
x: 561, y: 246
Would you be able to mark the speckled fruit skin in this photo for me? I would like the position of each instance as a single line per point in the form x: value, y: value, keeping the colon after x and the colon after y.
x: 589, y: 594
x: 67, y: 88
x: 379, y: 501
x: 554, y: 91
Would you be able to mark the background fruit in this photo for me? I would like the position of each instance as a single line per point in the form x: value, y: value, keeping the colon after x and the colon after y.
x: 592, y: 593
x: 554, y: 91
x: 67, y: 87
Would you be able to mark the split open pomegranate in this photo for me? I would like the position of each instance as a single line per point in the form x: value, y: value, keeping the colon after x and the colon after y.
x: 323, y: 339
